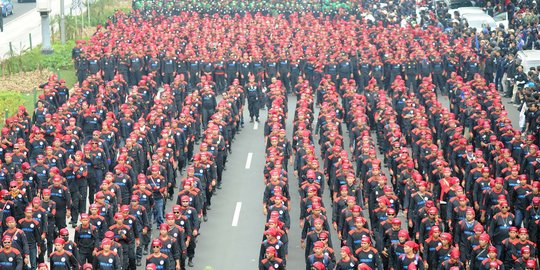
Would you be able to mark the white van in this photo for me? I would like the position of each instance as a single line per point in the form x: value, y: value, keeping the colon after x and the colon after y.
x: 529, y: 58
x: 479, y: 21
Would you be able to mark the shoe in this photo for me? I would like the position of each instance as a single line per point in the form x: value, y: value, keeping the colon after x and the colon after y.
x: 190, y: 263
x: 73, y: 225
x: 145, y: 251
x: 205, y: 218
x: 219, y: 186
x: 251, y: 120
x: 257, y: 119
x: 138, y: 263
x: 208, y: 207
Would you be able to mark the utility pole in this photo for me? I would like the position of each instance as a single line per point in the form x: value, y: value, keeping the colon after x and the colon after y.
x: 62, y: 22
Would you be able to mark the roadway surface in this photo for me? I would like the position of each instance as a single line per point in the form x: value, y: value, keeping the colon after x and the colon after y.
x: 19, y: 9
x: 24, y: 22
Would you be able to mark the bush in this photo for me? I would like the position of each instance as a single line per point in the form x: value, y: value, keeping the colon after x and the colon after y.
x: 10, y: 101
x: 61, y: 58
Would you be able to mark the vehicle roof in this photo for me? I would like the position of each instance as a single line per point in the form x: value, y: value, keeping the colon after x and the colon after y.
x: 469, y: 10
x: 530, y: 54
x: 477, y: 17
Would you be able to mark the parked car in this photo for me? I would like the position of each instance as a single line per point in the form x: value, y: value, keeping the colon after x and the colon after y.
x: 7, y: 7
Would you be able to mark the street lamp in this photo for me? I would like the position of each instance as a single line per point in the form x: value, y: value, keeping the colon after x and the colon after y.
x: 44, y: 9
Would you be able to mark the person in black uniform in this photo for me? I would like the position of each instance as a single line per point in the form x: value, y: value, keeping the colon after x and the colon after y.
x: 93, y: 64
x: 87, y: 239
x: 107, y: 259
x: 62, y: 259
x: 345, y: 70
x: 411, y: 71
x: 193, y: 68
x: 232, y: 68
x: 81, y: 65
x: 122, y: 65
x: 168, y: 68
x: 209, y: 104
x: 108, y: 65
x: 271, y: 69
x: 10, y: 258
x: 219, y: 75
x: 136, y: 65
x: 253, y: 96
x: 438, y: 69
x: 284, y: 72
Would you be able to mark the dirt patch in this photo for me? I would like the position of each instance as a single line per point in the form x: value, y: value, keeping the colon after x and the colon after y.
x: 24, y: 82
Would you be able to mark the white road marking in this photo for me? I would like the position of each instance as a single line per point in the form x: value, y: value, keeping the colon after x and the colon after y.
x: 256, y: 126
x: 236, y: 215
x: 248, y: 161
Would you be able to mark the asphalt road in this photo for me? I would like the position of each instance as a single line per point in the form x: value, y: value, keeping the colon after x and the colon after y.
x: 19, y: 9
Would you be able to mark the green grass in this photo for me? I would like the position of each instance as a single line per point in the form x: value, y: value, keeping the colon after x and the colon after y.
x: 10, y: 102
x: 69, y: 75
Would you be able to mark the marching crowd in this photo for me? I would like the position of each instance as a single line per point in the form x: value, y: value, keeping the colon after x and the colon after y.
x: 332, y: 7
x: 124, y: 139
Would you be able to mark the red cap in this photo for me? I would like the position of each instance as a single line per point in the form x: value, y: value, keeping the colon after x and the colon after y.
x: 411, y: 244
x: 492, y: 249
x: 64, y: 232
x: 156, y: 242
x: 484, y: 237
x: 36, y: 200
x: 454, y: 254
x: 271, y: 249
x: 403, y: 233
x: 109, y: 234
x: 366, y: 239
x: 525, y: 250
x: 106, y: 241
x: 446, y: 236
x: 6, y: 238
x: 59, y: 241
x: 396, y: 221
x: 318, y: 266
x: 479, y: 228
x: 320, y: 244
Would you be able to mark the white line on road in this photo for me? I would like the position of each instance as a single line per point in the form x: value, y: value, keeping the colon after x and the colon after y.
x: 236, y: 215
x: 256, y: 125
x: 248, y: 161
